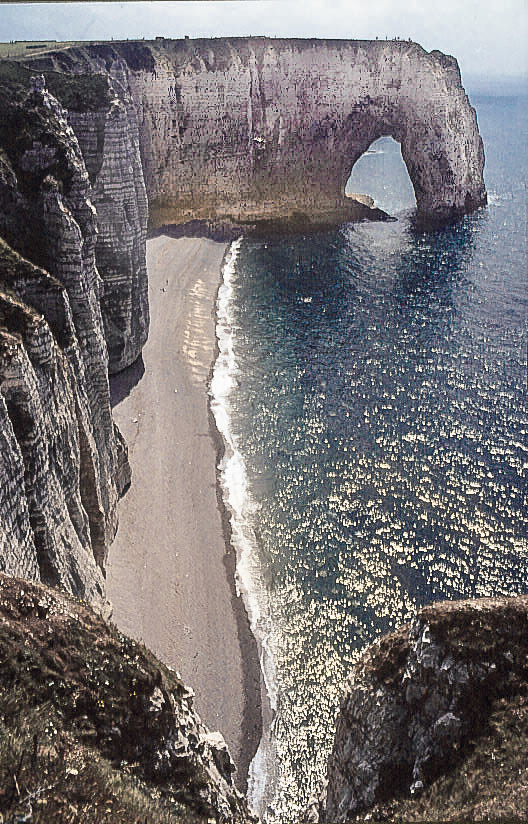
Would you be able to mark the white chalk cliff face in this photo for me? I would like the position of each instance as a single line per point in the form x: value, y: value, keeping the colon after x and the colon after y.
x: 230, y: 129
x: 259, y: 128
x: 63, y: 461
x: 263, y: 128
x: 109, y: 142
x: 241, y: 130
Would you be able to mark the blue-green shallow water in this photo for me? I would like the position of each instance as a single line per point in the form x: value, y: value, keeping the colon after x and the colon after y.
x: 375, y: 399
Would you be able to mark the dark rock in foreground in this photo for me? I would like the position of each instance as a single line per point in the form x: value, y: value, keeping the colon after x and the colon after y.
x: 434, y: 724
x: 94, y: 728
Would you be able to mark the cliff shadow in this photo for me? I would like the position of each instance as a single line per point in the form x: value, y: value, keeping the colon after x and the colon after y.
x: 122, y: 383
x: 222, y: 231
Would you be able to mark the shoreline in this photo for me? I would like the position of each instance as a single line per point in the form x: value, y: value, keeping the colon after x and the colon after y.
x: 246, y: 572
x: 171, y: 568
x: 248, y: 643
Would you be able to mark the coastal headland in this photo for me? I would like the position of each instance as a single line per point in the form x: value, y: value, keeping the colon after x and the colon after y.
x: 114, y: 138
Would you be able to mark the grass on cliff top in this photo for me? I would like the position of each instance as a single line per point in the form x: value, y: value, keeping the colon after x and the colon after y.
x: 31, y: 48
x: 15, y: 315
x: 14, y: 267
x: 43, y: 778
x: 78, y: 92
x: 71, y: 692
x: 489, y: 783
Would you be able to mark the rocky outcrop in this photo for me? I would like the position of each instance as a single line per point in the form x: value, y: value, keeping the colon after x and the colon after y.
x: 65, y: 463
x: 95, y: 728
x: 103, y: 115
x: 417, y: 703
x: 257, y: 129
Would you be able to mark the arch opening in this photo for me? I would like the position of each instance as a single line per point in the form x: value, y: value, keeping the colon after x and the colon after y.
x: 381, y: 174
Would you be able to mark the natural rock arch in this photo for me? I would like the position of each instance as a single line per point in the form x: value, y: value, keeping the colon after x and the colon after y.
x: 249, y: 129
x: 444, y: 166
x: 259, y: 128
x: 380, y: 177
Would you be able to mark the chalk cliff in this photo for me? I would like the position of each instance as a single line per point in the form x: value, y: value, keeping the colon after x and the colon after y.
x: 64, y: 462
x: 109, y: 142
x: 244, y: 130
x: 91, y: 723
x: 255, y: 128
x: 240, y: 130
x: 443, y: 695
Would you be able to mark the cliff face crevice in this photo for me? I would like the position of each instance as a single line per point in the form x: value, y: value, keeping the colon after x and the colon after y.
x: 59, y: 501
x: 110, y: 146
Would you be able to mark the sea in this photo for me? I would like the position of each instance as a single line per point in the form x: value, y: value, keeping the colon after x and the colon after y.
x: 371, y: 390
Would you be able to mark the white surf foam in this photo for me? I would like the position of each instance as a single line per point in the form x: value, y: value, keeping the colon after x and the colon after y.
x: 497, y: 198
x: 242, y: 508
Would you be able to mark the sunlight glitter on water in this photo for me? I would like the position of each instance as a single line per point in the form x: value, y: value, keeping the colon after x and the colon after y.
x: 379, y: 411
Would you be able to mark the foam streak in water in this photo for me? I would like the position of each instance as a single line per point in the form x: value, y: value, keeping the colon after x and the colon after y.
x: 241, y: 509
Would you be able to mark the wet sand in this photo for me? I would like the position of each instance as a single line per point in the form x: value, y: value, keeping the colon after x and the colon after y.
x: 170, y: 571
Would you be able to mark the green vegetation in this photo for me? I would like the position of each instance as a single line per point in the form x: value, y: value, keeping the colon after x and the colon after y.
x: 78, y: 92
x: 26, y: 123
x: 42, y: 780
x: 16, y: 316
x: 81, y: 92
x: 78, y: 730
x: 21, y: 126
x: 14, y: 267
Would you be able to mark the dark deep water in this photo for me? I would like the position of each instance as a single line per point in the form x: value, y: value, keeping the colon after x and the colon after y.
x: 372, y: 381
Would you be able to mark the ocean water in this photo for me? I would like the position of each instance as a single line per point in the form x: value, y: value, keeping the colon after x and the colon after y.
x: 371, y: 390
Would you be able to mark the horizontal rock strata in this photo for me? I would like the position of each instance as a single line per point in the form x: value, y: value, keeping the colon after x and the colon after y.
x: 253, y: 128
x: 64, y: 461
x: 109, y: 141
